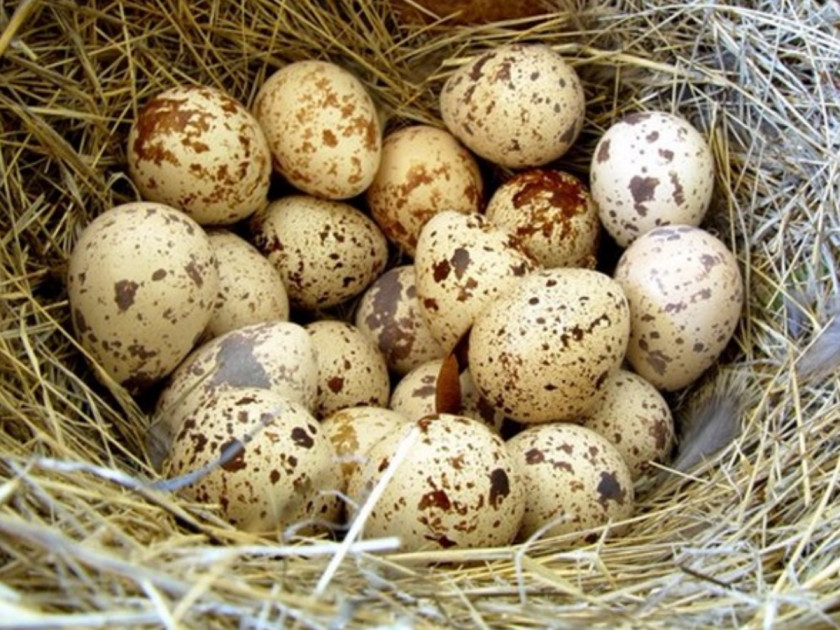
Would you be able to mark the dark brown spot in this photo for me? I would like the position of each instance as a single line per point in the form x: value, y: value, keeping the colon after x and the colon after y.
x: 160, y: 274
x: 534, y: 456
x: 610, y: 490
x: 603, y: 151
x: 335, y: 383
x: 642, y: 189
x: 302, y: 438
x: 499, y: 487
x: 237, y: 461
x: 124, y: 292
x: 435, y: 499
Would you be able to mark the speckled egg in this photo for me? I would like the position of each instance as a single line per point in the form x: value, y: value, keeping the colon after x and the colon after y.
x: 322, y: 127
x: 351, y: 370
x: 424, y: 170
x: 326, y: 251
x: 685, y: 292
x: 575, y: 482
x: 463, y: 264
x: 553, y: 215
x: 456, y: 487
x: 285, y: 475
x: 651, y: 169
x: 250, y: 289
x: 635, y: 417
x: 199, y: 150
x: 517, y: 105
x: 390, y: 315
x: 142, y: 283
x: 543, y: 351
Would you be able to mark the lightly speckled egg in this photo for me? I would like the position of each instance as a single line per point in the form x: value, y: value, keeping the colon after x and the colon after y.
x: 424, y: 170
x: 542, y: 351
x: 284, y: 477
x: 142, y: 283
x: 685, y: 293
x: 322, y: 127
x: 651, y: 169
x: 389, y: 314
x: 250, y: 289
x: 456, y: 487
x: 517, y: 105
x: 635, y: 417
x: 575, y: 482
x: 326, y: 251
x: 553, y: 215
x: 351, y: 370
x: 199, y: 150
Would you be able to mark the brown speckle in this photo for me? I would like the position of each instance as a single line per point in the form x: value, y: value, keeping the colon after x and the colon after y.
x: 499, y: 487
x: 124, y: 291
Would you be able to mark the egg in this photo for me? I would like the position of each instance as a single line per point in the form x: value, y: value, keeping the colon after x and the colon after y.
x: 456, y: 487
x: 389, y: 314
x: 651, y: 169
x: 322, y: 127
x: 199, y: 150
x: 543, y: 351
x: 351, y: 370
x: 635, y: 417
x: 141, y: 282
x: 250, y: 289
x: 326, y: 251
x: 424, y: 170
x: 685, y: 292
x: 575, y: 480
x: 552, y: 214
x: 463, y: 264
x: 517, y: 105
x: 285, y: 475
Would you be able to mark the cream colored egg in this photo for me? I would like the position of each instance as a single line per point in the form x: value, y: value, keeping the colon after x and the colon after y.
x: 424, y: 170
x: 199, y: 150
x: 142, y: 283
x: 576, y: 482
x: 685, y: 292
x: 517, y: 105
x: 322, y: 127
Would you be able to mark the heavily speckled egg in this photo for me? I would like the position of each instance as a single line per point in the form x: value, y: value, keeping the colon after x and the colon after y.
x: 285, y: 475
x: 199, y: 150
x: 142, y: 283
x: 685, y: 293
x: 250, y: 289
x: 635, y: 417
x: 351, y: 370
x: 322, y: 127
x: 389, y: 314
x: 463, y: 264
x: 456, y: 487
x: 651, y: 169
x: 326, y: 251
x: 517, y: 105
x: 543, y: 351
x: 575, y: 482
x: 424, y: 170
x: 553, y: 215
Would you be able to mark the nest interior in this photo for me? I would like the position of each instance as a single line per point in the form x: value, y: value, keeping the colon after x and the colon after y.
x: 748, y: 539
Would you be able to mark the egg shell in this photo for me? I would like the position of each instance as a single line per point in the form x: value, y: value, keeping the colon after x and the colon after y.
x: 322, y: 127
x: 543, y: 351
x: 326, y: 251
x: 553, y: 215
x: 250, y: 289
x: 517, y: 105
x: 463, y: 264
x: 199, y: 150
x: 651, y: 169
x: 685, y: 293
x: 424, y: 170
x: 455, y: 488
x: 351, y: 370
x: 284, y: 477
x: 389, y: 314
x: 575, y: 482
x: 141, y: 283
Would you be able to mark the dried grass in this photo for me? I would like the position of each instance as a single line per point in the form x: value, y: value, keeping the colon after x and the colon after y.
x: 751, y: 539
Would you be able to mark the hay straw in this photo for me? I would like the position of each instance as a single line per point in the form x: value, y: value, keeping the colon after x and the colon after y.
x: 750, y: 538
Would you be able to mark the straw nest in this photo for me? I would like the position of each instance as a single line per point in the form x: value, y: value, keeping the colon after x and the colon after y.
x: 750, y: 538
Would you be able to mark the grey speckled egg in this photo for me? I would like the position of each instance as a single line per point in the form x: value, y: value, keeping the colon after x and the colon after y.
x: 142, y: 284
